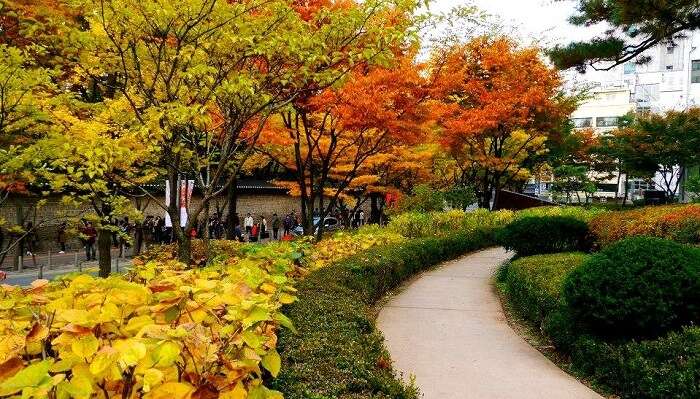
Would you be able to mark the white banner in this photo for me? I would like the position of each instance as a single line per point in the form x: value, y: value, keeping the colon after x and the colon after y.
x: 184, y: 195
x: 168, y: 222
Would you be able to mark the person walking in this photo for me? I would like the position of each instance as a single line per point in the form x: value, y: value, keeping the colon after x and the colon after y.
x: 90, y: 237
x: 263, y: 229
x: 61, y: 237
x: 276, y: 223
x: 362, y: 218
x: 287, y: 225
x: 248, y: 223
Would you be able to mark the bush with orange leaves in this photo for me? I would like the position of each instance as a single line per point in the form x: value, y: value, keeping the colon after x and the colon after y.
x: 675, y: 222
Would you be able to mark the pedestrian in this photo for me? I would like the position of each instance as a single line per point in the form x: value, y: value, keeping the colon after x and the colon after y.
x: 90, y: 237
x: 276, y: 223
x: 61, y: 237
x: 287, y: 225
x: 31, y: 238
x: 263, y: 229
x: 237, y: 233
x: 254, y: 232
x: 362, y: 218
x: 248, y: 223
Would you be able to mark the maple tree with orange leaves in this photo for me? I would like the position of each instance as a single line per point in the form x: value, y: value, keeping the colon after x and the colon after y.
x: 336, y: 140
x: 496, y: 105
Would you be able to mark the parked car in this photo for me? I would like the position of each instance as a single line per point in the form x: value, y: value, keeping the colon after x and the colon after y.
x: 330, y: 224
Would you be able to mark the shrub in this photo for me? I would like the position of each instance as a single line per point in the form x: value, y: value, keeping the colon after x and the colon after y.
x: 338, y: 353
x: 667, y: 367
x: 674, y: 222
x: 584, y: 214
x: 160, y: 330
x: 638, y: 287
x: 534, y: 283
x: 546, y: 234
x: 415, y: 224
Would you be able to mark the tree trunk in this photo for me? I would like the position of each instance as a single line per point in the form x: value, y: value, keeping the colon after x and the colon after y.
x: 374, y: 212
x: 138, y: 238
x: 104, y: 247
x: 232, y: 216
x: 627, y: 189
x: 184, y: 248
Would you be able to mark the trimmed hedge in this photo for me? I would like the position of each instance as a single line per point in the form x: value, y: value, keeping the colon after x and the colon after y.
x: 534, y: 283
x: 544, y: 235
x: 337, y: 352
x: 663, y: 368
x: 640, y: 287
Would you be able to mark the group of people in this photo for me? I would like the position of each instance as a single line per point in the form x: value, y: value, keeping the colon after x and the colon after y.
x: 254, y: 228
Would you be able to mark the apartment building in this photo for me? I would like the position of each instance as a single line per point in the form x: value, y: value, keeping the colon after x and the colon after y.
x: 670, y: 80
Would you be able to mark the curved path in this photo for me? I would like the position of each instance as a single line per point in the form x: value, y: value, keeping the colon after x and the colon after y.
x: 448, y: 330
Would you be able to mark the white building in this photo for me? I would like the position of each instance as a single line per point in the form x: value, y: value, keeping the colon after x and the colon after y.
x: 669, y: 81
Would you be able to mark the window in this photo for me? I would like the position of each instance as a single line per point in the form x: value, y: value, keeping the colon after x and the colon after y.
x: 643, y: 185
x: 606, y: 121
x: 582, y: 122
x: 695, y: 72
x: 669, y: 67
x: 630, y: 67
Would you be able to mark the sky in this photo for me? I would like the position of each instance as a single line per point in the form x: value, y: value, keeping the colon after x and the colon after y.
x: 542, y: 21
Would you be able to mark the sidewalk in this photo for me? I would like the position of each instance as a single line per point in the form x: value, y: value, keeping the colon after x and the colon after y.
x: 26, y: 276
x: 448, y: 330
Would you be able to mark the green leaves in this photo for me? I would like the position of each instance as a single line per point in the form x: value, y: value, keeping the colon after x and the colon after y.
x: 33, y: 376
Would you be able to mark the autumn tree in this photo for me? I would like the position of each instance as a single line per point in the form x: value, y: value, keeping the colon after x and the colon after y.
x: 634, y: 27
x: 497, y: 106
x: 663, y: 144
x: 328, y: 140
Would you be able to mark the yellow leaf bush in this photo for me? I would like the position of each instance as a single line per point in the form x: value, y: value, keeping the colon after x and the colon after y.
x: 161, y: 331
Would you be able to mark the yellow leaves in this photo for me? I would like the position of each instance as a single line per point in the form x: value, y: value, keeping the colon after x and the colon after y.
x: 131, y: 351
x: 171, y: 390
x: 152, y: 378
x: 272, y: 362
x: 105, y: 359
x: 85, y: 346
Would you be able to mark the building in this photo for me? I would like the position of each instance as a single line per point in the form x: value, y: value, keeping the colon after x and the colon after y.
x: 669, y: 81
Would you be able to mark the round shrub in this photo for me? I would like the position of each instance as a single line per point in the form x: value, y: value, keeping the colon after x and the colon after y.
x: 641, y: 287
x: 544, y: 235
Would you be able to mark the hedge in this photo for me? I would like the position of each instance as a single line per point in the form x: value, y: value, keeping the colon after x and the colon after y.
x: 666, y: 367
x: 674, y: 222
x: 536, y: 235
x: 534, y: 284
x: 640, y: 287
x: 337, y: 351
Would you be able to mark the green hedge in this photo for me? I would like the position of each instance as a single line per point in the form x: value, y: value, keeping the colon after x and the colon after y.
x: 666, y: 367
x: 545, y: 235
x: 337, y: 351
x: 534, y: 284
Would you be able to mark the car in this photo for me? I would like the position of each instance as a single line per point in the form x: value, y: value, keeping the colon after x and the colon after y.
x: 330, y: 224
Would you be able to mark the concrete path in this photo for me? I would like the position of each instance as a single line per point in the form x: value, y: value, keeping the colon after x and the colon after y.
x: 448, y: 330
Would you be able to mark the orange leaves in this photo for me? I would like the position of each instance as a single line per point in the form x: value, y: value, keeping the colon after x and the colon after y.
x: 495, y: 105
x: 676, y: 222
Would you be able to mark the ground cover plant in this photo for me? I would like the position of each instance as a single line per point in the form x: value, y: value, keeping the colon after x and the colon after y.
x: 675, y: 222
x: 163, y: 330
x: 646, y: 357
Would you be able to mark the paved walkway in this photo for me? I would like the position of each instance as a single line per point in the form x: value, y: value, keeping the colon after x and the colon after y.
x: 448, y: 330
